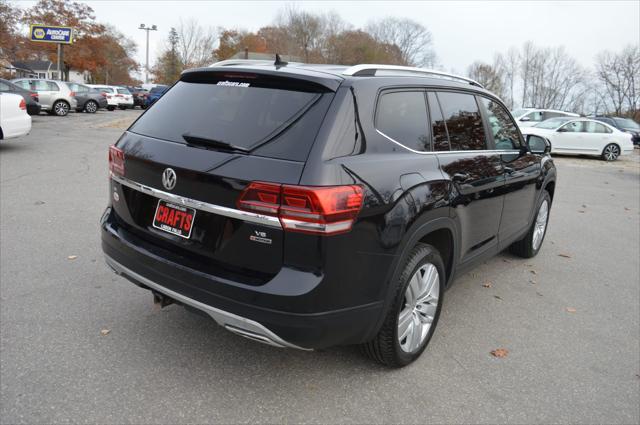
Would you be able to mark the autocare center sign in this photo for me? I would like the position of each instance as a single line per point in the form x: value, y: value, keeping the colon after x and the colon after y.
x: 51, y: 34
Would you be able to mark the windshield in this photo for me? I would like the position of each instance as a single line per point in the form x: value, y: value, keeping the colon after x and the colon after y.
x: 552, y: 123
x: 627, y: 123
x: 519, y: 112
x: 238, y: 115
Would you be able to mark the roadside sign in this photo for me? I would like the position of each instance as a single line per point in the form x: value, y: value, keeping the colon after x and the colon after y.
x: 51, y: 34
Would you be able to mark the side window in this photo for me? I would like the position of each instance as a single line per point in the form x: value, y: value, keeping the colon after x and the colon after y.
x: 438, y: 126
x: 535, y: 116
x: 572, y: 127
x: 548, y: 114
x: 402, y: 116
x: 504, y: 131
x: 594, y: 127
x: 464, y: 122
x: 24, y: 84
x: 52, y: 86
x: 4, y: 86
x: 39, y: 85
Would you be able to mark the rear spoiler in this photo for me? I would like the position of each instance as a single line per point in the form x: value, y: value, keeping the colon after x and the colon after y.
x: 267, y: 75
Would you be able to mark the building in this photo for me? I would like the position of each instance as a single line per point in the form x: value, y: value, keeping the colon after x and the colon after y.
x: 44, y: 69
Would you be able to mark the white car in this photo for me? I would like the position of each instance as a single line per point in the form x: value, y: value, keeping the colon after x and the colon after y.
x: 14, y: 120
x: 583, y: 137
x: 117, y: 97
x: 528, y: 117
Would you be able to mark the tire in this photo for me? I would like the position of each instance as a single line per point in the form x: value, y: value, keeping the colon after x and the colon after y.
x: 143, y: 106
x: 91, y: 107
x: 122, y: 107
x: 60, y: 108
x: 111, y: 108
x: 387, y: 348
x: 611, y: 152
x: 531, y: 243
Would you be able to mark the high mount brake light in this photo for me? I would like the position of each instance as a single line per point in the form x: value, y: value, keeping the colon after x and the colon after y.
x: 116, y: 161
x: 325, y: 210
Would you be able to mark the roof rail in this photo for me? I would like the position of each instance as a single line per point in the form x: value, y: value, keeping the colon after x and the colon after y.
x: 370, y: 70
x: 231, y: 62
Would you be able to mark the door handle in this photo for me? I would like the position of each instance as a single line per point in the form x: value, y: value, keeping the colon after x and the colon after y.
x: 461, y: 177
x: 509, y: 170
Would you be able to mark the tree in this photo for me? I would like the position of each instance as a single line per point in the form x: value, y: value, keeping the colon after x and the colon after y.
x: 99, y: 49
x: 356, y: 46
x: 234, y: 41
x: 488, y: 75
x: 195, y: 44
x: 412, y: 38
x: 9, y: 29
x: 169, y: 65
x: 619, y: 78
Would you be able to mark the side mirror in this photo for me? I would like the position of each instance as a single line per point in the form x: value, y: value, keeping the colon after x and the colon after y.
x: 525, y: 119
x: 562, y: 130
x: 538, y: 145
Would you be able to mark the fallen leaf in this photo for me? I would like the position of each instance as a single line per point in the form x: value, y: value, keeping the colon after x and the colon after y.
x: 497, y: 297
x: 505, y: 260
x: 584, y: 206
x: 500, y: 353
x: 539, y: 294
x: 72, y: 257
x: 39, y: 203
x: 606, y: 182
x: 533, y: 282
x: 626, y: 209
x: 533, y: 272
x: 564, y: 255
x: 581, y: 211
x: 571, y: 310
x: 486, y: 285
x: 105, y: 332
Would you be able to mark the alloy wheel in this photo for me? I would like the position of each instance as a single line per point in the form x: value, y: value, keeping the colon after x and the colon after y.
x: 61, y: 109
x: 91, y: 107
x: 611, y: 152
x: 420, y: 307
x: 540, y: 225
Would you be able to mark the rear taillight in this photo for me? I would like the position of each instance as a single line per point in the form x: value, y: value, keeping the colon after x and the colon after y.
x: 103, y: 94
x: 34, y: 96
x: 116, y: 161
x: 72, y: 94
x: 23, y: 105
x: 309, y: 209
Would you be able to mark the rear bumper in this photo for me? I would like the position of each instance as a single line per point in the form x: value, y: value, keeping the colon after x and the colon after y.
x: 233, y: 309
x: 33, y: 109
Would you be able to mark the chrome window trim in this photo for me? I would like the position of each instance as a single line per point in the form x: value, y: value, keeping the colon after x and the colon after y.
x: 483, y: 151
x: 251, y: 217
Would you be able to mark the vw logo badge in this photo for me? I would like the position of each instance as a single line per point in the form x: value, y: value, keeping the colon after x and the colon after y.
x: 169, y: 179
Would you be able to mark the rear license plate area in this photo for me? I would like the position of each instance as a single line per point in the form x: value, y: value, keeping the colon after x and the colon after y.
x: 174, y: 219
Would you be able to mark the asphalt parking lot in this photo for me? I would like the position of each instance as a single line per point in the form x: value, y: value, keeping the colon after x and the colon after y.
x: 569, y: 318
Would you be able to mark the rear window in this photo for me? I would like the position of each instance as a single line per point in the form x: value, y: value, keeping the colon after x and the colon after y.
x: 244, y: 117
x: 123, y: 91
x: 158, y: 89
x: 402, y: 116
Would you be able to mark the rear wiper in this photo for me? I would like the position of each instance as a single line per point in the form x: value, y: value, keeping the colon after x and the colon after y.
x: 204, y: 142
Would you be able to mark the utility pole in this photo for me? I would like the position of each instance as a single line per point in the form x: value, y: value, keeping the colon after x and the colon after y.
x: 147, y: 29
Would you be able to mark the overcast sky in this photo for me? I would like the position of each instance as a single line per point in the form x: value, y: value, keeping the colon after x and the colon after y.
x: 462, y: 31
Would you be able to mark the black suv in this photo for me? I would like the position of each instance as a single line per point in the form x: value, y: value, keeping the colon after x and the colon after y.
x: 308, y: 206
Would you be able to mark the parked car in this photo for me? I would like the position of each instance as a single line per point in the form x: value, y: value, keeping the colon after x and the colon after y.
x: 125, y: 98
x: 14, y: 119
x: 310, y: 206
x: 623, y: 124
x: 527, y: 117
x: 583, y: 137
x: 139, y: 94
x: 55, y: 97
x: 89, y: 99
x: 154, y: 94
x: 109, y: 94
x: 30, y: 97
